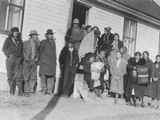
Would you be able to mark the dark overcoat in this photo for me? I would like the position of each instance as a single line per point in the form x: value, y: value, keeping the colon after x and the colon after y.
x: 47, y: 58
x: 12, y: 47
x: 153, y: 89
x: 68, y: 63
x: 139, y: 90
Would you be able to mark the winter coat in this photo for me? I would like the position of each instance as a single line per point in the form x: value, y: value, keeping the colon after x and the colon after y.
x: 68, y: 64
x: 31, y: 54
x: 117, y: 73
x: 12, y: 47
x: 47, y: 58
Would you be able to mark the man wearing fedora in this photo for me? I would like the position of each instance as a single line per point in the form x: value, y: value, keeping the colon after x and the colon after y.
x: 13, y: 50
x: 75, y: 35
x: 106, y: 40
x: 31, y: 54
x: 47, y: 62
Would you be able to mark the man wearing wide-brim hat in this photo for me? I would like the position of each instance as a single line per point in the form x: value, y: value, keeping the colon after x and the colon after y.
x: 47, y: 62
x: 75, y: 34
x: 31, y: 54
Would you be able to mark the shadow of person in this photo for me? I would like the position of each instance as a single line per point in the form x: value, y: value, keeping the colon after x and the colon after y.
x: 49, y: 108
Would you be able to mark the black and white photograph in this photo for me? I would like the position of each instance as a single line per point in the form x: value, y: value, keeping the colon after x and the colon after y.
x: 79, y: 59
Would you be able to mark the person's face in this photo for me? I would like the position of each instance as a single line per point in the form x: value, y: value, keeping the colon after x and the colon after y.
x: 70, y: 45
x: 158, y: 59
x: 91, y: 59
x: 105, y: 31
x: 34, y: 37
x: 116, y: 37
x: 15, y: 34
x: 102, y: 53
x: 89, y: 29
x: 121, y: 50
x: 118, y: 55
x: 145, y: 56
x: 137, y: 56
x: 50, y: 36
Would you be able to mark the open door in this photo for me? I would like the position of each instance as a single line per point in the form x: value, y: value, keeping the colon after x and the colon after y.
x: 80, y: 11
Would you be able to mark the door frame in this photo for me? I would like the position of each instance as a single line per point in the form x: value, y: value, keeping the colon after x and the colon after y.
x: 71, y: 11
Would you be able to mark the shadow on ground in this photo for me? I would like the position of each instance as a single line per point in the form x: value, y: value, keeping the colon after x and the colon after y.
x: 49, y: 108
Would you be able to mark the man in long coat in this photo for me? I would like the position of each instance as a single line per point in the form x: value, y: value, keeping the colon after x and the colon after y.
x: 47, y: 61
x: 31, y: 54
x: 13, y: 50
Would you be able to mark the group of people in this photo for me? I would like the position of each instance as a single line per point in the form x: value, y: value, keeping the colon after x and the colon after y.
x: 23, y: 57
x: 91, y: 64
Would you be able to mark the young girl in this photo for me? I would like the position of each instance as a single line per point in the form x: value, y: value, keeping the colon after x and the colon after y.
x: 118, y: 70
x: 104, y: 75
x: 92, y: 71
x: 96, y: 69
x: 89, y: 59
x: 83, y: 81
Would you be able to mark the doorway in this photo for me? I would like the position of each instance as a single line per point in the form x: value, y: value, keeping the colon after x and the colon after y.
x: 80, y: 11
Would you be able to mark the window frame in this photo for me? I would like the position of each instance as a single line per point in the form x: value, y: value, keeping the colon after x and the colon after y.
x: 9, y: 4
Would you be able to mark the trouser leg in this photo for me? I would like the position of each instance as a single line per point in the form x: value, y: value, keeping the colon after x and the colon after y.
x: 32, y: 85
x: 10, y: 65
x: 43, y: 83
x: 26, y: 86
x: 20, y: 87
x: 13, y: 87
x: 50, y: 84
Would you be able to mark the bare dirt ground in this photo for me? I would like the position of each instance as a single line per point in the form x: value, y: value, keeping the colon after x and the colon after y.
x: 40, y: 107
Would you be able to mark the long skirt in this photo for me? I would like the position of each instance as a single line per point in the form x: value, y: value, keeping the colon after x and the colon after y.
x: 117, y: 85
x: 69, y: 76
x: 80, y: 87
x: 153, y: 90
x: 134, y: 89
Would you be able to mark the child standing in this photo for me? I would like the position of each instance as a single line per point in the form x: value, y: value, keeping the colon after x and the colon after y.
x: 104, y: 75
x: 89, y: 59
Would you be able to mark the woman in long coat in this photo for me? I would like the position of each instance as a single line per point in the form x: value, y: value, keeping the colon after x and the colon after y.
x: 153, y: 89
x: 69, y: 60
x: 134, y: 89
x: 148, y: 62
x: 118, y: 70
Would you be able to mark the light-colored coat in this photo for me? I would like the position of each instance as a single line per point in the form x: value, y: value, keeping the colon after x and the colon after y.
x: 31, y: 53
x: 117, y: 72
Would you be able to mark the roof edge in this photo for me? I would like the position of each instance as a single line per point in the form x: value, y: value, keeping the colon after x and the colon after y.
x: 128, y: 10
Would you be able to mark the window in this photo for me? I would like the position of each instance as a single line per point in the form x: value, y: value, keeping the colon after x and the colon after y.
x: 11, y: 14
x: 130, y: 35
